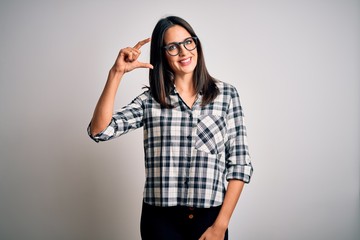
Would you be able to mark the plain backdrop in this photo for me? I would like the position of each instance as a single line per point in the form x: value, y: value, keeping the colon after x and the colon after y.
x: 295, y: 63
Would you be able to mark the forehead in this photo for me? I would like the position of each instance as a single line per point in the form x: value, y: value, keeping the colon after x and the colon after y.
x: 176, y: 33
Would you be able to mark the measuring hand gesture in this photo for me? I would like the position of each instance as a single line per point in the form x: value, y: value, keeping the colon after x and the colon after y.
x: 127, y: 58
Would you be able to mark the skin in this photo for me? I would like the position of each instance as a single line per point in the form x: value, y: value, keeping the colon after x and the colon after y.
x: 126, y: 61
x: 183, y: 72
x: 218, y: 229
x: 184, y: 84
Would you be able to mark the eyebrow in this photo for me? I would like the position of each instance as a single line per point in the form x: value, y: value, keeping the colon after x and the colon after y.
x: 178, y: 42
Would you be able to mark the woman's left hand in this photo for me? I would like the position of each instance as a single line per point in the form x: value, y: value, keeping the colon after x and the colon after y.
x: 213, y: 233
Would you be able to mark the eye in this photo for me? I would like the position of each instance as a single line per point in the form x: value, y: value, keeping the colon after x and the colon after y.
x: 171, y: 47
x: 188, y: 41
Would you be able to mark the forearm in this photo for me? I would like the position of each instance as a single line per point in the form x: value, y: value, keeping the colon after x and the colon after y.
x: 232, y: 195
x: 104, y: 108
x: 125, y: 62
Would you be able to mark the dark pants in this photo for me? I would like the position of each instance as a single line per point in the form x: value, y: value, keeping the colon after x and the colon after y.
x: 176, y: 223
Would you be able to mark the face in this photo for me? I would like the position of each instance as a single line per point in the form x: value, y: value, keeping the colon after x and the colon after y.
x: 185, y: 62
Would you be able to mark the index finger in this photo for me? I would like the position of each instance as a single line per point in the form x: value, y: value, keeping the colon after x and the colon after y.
x: 142, y: 43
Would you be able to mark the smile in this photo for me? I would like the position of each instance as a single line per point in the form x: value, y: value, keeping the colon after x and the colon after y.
x: 186, y: 61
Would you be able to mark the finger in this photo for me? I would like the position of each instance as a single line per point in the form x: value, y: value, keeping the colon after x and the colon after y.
x: 129, y: 54
x: 142, y: 43
x: 135, y: 53
x: 125, y: 52
x: 145, y: 65
x: 202, y: 237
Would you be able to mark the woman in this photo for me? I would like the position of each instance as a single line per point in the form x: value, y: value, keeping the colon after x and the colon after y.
x: 194, y: 136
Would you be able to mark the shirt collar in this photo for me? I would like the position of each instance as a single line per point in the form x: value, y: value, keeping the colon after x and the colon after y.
x: 174, y: 91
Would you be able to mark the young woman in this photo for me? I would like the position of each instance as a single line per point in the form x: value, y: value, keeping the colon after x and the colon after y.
x: 194, y: 136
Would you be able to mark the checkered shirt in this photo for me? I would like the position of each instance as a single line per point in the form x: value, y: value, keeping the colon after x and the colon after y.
x: 189, y: 153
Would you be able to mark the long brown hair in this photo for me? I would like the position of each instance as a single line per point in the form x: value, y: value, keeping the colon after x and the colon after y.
x: 161, y: 77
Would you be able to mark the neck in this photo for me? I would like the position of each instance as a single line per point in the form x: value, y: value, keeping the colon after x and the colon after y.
x: 185, y: 84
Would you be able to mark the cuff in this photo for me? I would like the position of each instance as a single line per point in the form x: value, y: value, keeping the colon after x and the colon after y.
x: 104, y: 135
x: 240, y: 172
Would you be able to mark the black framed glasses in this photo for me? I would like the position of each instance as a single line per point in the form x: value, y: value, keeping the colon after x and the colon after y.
x: 174, y: 48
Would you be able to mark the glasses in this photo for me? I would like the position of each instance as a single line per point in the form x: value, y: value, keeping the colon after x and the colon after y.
x: 173, y: 49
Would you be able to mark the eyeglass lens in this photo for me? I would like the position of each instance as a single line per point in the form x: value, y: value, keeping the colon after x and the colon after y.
x: 174, y: 48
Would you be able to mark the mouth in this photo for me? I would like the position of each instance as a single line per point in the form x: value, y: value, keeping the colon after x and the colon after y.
x: 185, y: 62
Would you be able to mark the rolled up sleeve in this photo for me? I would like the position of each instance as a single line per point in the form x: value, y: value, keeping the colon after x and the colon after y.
x: 237, y: 155
x: 127, y: 119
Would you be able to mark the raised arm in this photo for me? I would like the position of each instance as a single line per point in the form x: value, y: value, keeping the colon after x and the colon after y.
x: 125, y: 62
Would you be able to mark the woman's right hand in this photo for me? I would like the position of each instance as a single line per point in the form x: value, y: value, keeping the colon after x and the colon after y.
x: 125, y: 62
x: 127, y: 58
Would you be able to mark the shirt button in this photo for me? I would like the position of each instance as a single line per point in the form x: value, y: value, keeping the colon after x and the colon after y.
x: 188, y: 137
x: 191, y: 216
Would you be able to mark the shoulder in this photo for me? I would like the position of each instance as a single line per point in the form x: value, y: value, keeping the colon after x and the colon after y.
x: 226, y: 89
x: 146, y: 100
x: 144, y: 96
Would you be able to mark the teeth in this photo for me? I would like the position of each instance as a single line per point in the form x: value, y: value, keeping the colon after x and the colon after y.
x: 185, y: 61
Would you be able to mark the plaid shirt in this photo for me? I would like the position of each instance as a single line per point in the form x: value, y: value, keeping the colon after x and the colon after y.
x: 188, y: 152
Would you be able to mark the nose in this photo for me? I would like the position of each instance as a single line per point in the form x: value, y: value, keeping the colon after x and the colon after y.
x: 182, y: 49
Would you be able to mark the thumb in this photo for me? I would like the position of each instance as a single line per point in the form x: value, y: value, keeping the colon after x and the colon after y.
x: 145, y: 65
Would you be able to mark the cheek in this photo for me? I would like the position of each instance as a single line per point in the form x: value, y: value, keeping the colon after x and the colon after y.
x: 170, y: 61
x: 167, y: 58
x: 173, y: 65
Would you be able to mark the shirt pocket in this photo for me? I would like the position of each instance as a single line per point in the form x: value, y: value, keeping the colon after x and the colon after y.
x: 210, y: 134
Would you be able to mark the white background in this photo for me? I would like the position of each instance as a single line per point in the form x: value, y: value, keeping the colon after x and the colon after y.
x: 295, y: 64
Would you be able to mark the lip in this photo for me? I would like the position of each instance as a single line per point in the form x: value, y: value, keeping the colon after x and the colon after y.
x: 185, y: 61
